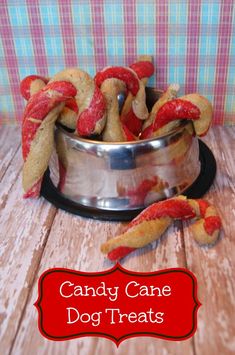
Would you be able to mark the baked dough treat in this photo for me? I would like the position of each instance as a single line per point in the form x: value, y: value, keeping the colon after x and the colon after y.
x: 39, y: 118
x: 89, y: 99
x: 30, y: 86
x: 152, y: 222
x: 191, y: 107
x: 144, y: 69
x: 33, y: 83
x: 115, y: 130
x: 169, y: 94
x: 82, y: 103
x: 71, y: 86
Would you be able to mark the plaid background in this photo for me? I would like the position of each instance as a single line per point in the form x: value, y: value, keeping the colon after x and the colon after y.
x: 192, y: 42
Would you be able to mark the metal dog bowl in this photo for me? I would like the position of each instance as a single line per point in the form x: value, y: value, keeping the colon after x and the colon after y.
x: 126, y: 176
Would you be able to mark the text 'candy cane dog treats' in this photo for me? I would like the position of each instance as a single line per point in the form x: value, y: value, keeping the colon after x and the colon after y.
x: 152, y: 222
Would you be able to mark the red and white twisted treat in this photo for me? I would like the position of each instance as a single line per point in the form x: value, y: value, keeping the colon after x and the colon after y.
x: 190, y: 107
x: 40, y: 115
x: 114, y: 131
x: 43, y: 109
x: 34, y: 83
x: 169, y: 94
x: 30, y: 86
x: 144, y: 69
x: 151, y: 223
x: 113, y: 80
x: 89, y: 99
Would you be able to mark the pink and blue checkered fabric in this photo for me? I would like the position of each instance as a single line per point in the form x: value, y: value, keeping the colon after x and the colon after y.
x: 192, y: 43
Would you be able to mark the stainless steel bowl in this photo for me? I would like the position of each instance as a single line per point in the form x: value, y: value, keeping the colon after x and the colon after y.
x: 126, y: 176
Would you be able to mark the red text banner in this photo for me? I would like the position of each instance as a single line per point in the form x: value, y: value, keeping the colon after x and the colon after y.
x: 117, y: 304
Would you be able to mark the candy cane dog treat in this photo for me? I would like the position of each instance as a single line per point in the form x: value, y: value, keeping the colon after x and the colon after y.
x: 30, y: 86
x: 89, y: 99
x: 114, y: 130
x: 191, y: 107
x: 133, y: 85
x: 112, y: 81
x: 144, y: 69
x: 69, y: 115
x: 149, y: 225
x: 33, y: 83
x: 37, y: 147
x: 121, y: 73
x: 40, y: 115
x: 169, y: 94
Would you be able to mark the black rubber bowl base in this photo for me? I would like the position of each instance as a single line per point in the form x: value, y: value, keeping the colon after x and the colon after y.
x: 196, y: 190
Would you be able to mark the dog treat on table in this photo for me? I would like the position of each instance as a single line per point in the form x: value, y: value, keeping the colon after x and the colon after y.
x: 152, y: 222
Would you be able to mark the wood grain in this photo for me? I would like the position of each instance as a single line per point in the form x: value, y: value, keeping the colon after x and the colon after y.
x: 24, y: 227
x: 9, y: 143
x: 214, y: 267
x: 74, y: 243
x: 34, y: 237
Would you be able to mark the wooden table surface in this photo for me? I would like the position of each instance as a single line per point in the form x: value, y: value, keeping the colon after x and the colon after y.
x: 35, y: 236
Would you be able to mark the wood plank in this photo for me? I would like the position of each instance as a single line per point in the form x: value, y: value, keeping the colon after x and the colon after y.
x: 74, y: 243
x: 215, y: 267
x: 10, y: 138
x: 24, y: 227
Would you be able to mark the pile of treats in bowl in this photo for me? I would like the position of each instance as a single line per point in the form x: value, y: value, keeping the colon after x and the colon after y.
x: 90, y: 107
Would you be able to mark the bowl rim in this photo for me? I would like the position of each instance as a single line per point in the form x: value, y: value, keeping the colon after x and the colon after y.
x: 160, y: 139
